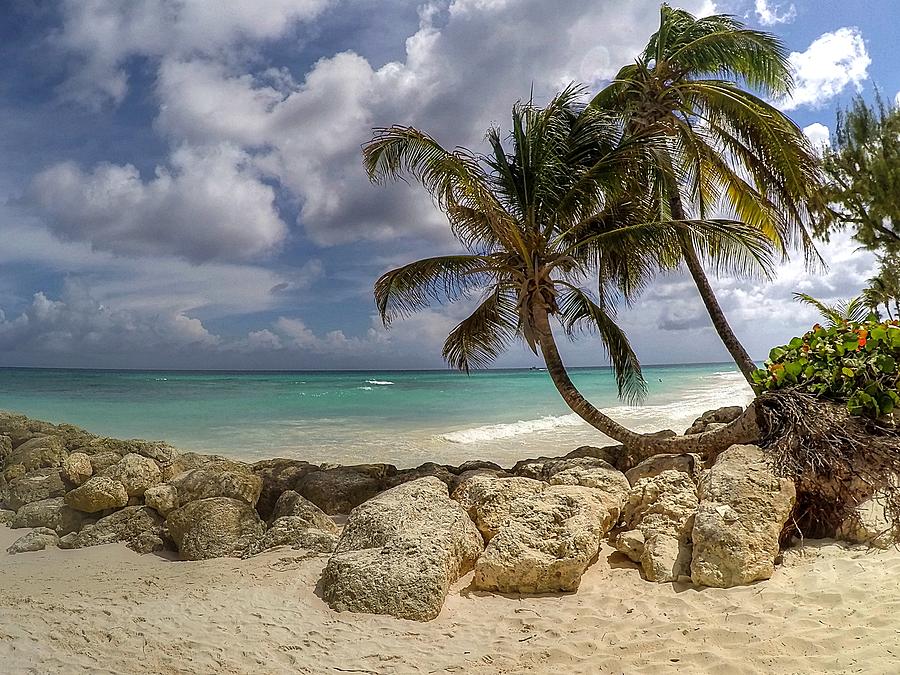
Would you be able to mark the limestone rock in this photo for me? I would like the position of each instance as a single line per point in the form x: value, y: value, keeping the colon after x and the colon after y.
x: 599, y: 475
x: 135, y: 472
x: 98, y: 494
x: 38, y: 453
x: 36, y: 540
x: 13, y: 471
x: 77, y: 468
x: 547, y: 544
x: 133, y: 525
x: 400, y: 552
x: 630, y: 543
x: 101, y: 461
x: 5, y: 448
x: 187, y: 461
x: 869, y: 524
x: 48, y: 513
x: 233, y: 480
x: 6, y: 515
x: 662, y: 507
x: 743, y: 508
x: 690, y: 464
x: 163, y: 498
x: 718, y: 416
x: 33, y: 487
x: 608, y: 453
x: 295, y: 531
x: 341, y: 489
x: 214, y: 527
x: 487, y: 500
x: 442, y: 472
x: 278, y: 476
x: 477, y: 465
x: 293, y: 504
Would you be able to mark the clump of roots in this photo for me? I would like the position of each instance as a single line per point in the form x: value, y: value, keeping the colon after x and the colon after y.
x: 836, y: 459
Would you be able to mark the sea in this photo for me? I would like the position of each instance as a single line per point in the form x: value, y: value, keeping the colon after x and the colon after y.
x: 403, y: 418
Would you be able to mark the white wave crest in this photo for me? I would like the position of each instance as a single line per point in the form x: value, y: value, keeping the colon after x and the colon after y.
x: 380, y: 383
x: 365, y: 388
x: 493, y: 432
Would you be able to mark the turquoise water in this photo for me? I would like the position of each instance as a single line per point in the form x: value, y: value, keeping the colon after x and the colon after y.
x: 401, y: 417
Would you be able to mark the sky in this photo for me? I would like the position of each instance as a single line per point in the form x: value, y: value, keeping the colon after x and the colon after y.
x: 181, y: 184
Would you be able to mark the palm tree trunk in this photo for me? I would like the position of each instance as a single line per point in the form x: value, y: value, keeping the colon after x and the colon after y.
x: 720, y: 322
x: 638, y: 446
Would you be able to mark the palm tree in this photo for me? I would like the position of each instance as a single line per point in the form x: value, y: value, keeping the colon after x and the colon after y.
x: 522, y: 215
x: 884, y: 287
x: 854, y: 310
x: 722, y: 148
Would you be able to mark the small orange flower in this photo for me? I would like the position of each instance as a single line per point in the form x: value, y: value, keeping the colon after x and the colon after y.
x: 863, y: 334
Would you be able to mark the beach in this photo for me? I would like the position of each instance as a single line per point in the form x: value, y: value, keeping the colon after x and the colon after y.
x: 108, y: 610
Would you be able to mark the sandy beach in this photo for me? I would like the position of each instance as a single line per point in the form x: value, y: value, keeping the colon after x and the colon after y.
x: 105, y: 609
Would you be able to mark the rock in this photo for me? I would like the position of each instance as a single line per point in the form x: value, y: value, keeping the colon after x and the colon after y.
x: 40, y: 452
x: 690, y: 464
x: 869, y: 524
x: 6, y: 515
x: 163, y: 498
x: 187, y: 461
x: 718, y: 416
x: 607, y: 453
x: 547, y: 544
x: 136, y: 526
x: 214, y: 527
x: 599, y: 475
x: 662, y: 507
x: 135, y: 472
x: 36, y: 540
x: 631, y: 543
x: 101, y: 461
x: 294, y: 504
x: 147, y: 542
x: 5, y: 448
x: 487, y: 500
x: 77, y: 468
x: 233, y: 480
x: 48, y: 513
x: 13, y: 471
x: 98, y: 494
x: 159, y: 452
x: 476, y: 465
x: 33, y: 487
x: 743, y: 508
x: 400, y: 552
x: 440, y: 471
x: 295, y: 531
x: 278, y: 476
x: 341, y: 489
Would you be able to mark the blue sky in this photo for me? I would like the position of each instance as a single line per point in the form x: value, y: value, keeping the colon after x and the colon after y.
x: 180, y: 183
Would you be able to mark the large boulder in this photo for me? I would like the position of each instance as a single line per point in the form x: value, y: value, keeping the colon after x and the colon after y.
x: 163, y: 498
x: 662, y: 508
x: 162, y: 453
x: 743, y: 508
x: 548, y: 542
x: 487, y: 500
x: 49, y: 513
x: 295, y: 531
x: 719, y: 416
x: 293, y: 504
x: 689, y: 463
x: 278, y: 476
x: 400, y: 552
x: 233, y: 480
x: 36, y: 540
x: 77, y: 468
x: 139, y: 527
x: 101, y: 461
x: 32, y: 487
x: 98, y: 494
x: 343, y: 488
x: 39, y: 452
x: 135, y: 472
x: 5, y: 448
x: 187, y: 461
x: 214, y: 527
x: 597, y: 474
x: 870, y: 523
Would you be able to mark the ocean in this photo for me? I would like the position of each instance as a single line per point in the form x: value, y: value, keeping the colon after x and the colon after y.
x: 403, y: 418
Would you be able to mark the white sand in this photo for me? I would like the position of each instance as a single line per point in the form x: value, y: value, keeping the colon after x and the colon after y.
x: 106, y: 609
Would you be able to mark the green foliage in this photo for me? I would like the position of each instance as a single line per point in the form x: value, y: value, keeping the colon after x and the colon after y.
x: 853, y: 362
x: 854, y: 309
x: 863, y: 170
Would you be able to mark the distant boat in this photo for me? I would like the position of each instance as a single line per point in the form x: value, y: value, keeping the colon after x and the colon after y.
x: 536, y: 368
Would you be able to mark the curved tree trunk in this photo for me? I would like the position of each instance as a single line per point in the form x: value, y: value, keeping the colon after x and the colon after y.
x: 720, y: 322
x: 742, y: 430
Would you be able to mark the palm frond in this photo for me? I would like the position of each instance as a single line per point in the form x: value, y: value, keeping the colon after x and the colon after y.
x: 478, y: 339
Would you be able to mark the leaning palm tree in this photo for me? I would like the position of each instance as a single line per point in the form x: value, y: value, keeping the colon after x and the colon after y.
x: 521, y: 214
x: 722, y: 148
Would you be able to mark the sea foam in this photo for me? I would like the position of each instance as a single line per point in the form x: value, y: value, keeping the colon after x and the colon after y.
x: 492, y: 432
x: 380, y: 383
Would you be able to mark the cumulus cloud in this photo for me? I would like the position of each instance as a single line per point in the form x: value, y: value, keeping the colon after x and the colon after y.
x: 104, y: 34
x: 210, y: 203
x: 832, y: 62
x: 819, y: 135
x: 770, y: 14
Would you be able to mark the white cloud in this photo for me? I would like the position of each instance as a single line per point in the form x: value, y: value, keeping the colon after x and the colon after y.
x: 819, y: 135
x: 831, y: 63
x: 770, y: 13
x: 211, y: 204
x: 105, y: 33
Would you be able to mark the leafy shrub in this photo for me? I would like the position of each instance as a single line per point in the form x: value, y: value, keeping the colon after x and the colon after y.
x: 853, y: 362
